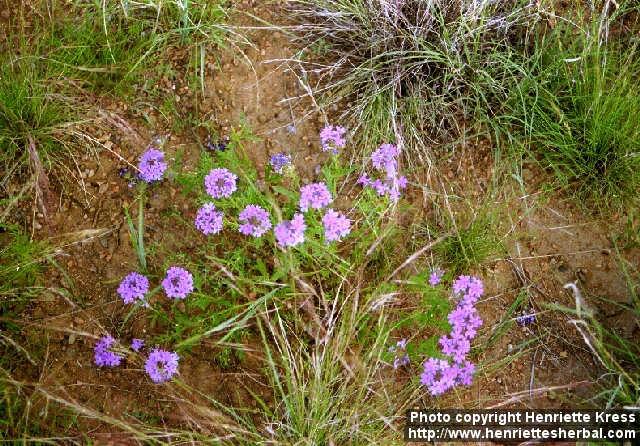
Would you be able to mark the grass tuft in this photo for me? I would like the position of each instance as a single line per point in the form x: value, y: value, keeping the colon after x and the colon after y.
x: 423, y: 68
x: 578, y: 110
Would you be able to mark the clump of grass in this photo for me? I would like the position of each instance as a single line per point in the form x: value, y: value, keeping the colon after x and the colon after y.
x: 28, y: 109
x: 110, y: 45
x: 430, y: 66
x: 578, y: 111
x: 470, y: 244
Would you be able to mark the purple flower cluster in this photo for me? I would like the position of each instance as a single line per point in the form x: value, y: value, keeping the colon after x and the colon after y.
x: 209, y: 219
x: 332, y: 138
x: 279, y: 162
x: 385, y: 161
x: 440, y: 375
x: 254, y: 220
x: 220, y: 183
x: 336, y: 225
x: 290, y: 233
x: 178, y: 283
x: 103, y: 355
x: 152, y: 165
x: 315, y: 196
x: 133, y: 287
x: 161, y: 365
x: 469, y: 287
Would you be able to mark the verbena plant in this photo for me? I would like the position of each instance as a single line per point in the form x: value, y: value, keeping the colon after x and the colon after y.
x: 422, y: 68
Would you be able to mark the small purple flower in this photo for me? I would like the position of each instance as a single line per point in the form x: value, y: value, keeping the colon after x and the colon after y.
x: 290, y: 233
x: 455, y: 346
x: 332, y: 138
x: 254, y: 221
x: 315, y: 196
x: 466, y: 370
x: 220, y: 146
x: 161, y: 365
x: 465, y: 321
x: 364, y: 180
x: 336, y: 225
x: 279, y: 161
x: 133, y: 286
x: 103, y: 355
x: 402, y: 344
x: 461, y: 284
x: 379, y: 186
x: 384, y: 159
x: 209, y: 219
x: 436, y: 276
x: 152, y: 165
x: 401, y: 361
x: 470, y: 287
x: 438, y: 376
x: 220, y: 183
x: 137, y: 344
x: 526, y: 319
x: 178, y: 283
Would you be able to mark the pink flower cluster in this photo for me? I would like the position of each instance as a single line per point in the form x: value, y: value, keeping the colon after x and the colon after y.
x: 440, y: 375
x: 385, y: 161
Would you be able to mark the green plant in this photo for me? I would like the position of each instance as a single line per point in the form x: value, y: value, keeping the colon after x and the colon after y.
x: 577, y: 111
x: 29, y: 114
x: 470, y: 245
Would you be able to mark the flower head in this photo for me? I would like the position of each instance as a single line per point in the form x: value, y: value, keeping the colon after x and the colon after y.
x: 103, y: 356
x: 152, y: 165
x: 332, y: 138
x: 336, y: 225
x: 456, y: 346
x: 254, y: 221
x: 465, y: 321
x: 137, y: 344
x: 220, y: 183
x: 290, y: 233
x: 133, y: 286
x: 436, y: 276
x: 438, y: 376
x: 384, y: 159
x: 279, y: 161
x: 471, y: 289
x: 465, y: 371
x: 178, y: 283
x: 161, y: 365
x: 315, y: 196
x: 209, y: 219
